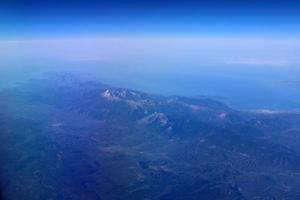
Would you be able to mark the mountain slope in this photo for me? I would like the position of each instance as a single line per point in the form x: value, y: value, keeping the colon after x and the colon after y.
x: 64, y: 137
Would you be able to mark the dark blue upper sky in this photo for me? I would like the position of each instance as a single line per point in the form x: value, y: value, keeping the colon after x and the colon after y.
x: 85, y: 18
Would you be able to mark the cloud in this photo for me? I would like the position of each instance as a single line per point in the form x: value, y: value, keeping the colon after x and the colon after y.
x: 263, y: 62
x: 153, y: 52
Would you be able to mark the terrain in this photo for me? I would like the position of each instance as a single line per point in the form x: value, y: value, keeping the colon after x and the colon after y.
x: 67, y: 137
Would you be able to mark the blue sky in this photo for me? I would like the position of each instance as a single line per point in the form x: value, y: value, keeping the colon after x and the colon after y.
x: 78, y: 18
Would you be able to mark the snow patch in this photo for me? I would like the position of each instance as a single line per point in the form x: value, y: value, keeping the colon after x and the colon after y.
x: 155, y: 117
x: 109, y: 95
x: 223, y: 115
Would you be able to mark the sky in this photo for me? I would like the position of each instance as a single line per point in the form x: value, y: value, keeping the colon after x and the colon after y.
x: 247, y: 52
x: 155, y: 18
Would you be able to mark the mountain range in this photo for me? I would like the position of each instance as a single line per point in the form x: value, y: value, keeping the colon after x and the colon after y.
x: 67, y: 137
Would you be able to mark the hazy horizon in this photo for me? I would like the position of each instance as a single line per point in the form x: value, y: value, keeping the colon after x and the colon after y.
x: 247, y: 73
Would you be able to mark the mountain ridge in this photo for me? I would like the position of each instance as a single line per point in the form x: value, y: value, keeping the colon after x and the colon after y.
x: 114, y: 143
